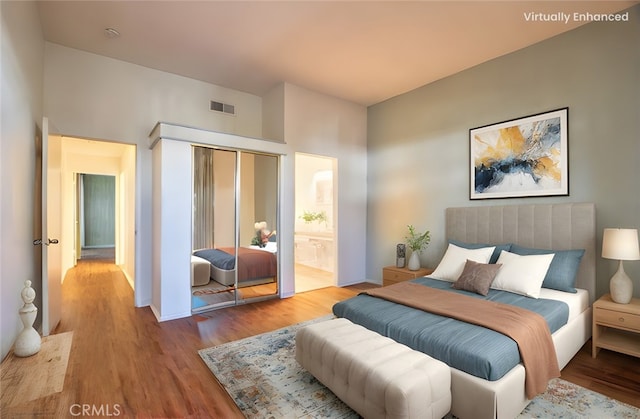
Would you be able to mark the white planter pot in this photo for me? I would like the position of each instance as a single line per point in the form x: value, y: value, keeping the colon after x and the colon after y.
x: 414, y: 261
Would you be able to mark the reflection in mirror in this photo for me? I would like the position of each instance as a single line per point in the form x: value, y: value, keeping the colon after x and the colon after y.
x: 257, y: 253
x: 213, y: 229
x: 230, y: 185
x: 314, y: 238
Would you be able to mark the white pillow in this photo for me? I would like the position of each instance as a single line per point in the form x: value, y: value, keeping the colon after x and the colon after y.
x: 522, y: 274
x: 452, y: 263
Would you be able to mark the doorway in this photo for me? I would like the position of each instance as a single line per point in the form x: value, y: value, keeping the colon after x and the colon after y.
x: 59, y: 159
x: 315, y: 208
x: 106, y: 172
x: 96, y: 212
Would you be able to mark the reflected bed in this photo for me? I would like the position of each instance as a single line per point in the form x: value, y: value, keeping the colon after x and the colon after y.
x: 256, y: 265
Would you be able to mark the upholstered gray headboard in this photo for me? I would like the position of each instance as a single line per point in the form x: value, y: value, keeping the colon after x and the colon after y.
x: 544, y: 226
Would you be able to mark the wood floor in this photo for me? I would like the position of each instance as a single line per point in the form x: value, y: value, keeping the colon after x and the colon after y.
x: 309, y: 278
x: 127, y: 364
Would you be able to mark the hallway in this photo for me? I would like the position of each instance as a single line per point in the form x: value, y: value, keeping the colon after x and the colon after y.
x: 123, y: 361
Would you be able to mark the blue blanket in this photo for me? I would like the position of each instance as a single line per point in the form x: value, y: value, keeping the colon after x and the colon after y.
x: 473, y: 349
x: 222, y: 260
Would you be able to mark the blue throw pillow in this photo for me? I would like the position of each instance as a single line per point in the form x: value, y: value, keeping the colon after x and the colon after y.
x: 496, y: 253
x: 564, y: 267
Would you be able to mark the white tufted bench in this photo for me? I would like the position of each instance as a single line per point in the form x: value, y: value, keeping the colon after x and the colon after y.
x: 200, y: 271
x: 376, y: 376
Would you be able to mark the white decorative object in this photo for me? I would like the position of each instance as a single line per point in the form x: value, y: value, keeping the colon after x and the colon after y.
x: 28, y: 341
x: 620, y: 244
x: 414, y: 261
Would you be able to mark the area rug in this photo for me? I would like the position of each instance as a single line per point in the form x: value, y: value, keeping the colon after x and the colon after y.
x: 262, y: 376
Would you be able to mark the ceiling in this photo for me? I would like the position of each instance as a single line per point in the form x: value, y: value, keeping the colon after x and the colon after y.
x: 361, y: 51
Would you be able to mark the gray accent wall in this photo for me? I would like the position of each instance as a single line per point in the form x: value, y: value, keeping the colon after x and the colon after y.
x: 99, y: 211
x: 418, y: 142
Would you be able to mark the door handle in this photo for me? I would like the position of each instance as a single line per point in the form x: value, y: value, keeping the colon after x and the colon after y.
x: 39, y: 242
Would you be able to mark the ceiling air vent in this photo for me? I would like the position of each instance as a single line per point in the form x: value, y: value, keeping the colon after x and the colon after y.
x: 222, y: 107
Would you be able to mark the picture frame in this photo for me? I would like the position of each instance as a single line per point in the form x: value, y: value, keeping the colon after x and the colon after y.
x: 523, y: 157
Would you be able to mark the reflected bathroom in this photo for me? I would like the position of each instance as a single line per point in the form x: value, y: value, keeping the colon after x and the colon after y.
x: 315, y: 249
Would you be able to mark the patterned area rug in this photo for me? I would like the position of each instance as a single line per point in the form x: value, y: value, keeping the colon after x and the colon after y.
x: 264, y: 379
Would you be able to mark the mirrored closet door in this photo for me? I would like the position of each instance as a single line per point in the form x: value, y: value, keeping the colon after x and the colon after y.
x: 234, y: 234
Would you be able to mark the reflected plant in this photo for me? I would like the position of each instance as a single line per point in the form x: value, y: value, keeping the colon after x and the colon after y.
x: 311, y: 216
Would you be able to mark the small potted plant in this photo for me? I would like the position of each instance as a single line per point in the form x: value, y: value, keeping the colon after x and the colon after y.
x: 417, y: 242
x: 310, y: 216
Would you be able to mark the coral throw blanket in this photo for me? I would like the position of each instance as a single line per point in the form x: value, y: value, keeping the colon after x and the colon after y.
x: 527, y: 328
x: 254, y: 263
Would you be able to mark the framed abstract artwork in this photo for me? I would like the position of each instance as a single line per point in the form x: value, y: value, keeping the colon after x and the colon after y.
x: 521, y: 157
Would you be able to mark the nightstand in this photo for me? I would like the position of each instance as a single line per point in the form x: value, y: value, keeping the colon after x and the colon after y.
x: 616, y: 326
x: 393, y: 275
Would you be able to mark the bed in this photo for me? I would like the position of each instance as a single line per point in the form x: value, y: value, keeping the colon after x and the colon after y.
x: 256, y: 265
x: 493, y: 393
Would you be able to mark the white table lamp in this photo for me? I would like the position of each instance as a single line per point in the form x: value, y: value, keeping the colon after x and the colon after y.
x: 620, y: 244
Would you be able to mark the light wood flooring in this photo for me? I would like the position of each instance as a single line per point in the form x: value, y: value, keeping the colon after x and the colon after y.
x: 122, y: 358
x: 309, y: 278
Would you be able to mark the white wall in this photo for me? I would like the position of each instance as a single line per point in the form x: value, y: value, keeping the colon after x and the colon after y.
x: 127, y: 214
x: 314, y: 123
x: 326, y: 126
x: 88, y: 95
x: 20, y: 113
x: 273, y: 116
x: 247, y: 198
x: 91, y: 96
x: 419, y: 141
x: 224, y: 176
x: 172, y: 230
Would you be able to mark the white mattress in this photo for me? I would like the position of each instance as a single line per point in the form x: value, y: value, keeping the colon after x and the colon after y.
x: 577, y: 302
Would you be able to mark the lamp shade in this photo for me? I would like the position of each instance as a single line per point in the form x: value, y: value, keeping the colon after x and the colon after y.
x: 620, y: 244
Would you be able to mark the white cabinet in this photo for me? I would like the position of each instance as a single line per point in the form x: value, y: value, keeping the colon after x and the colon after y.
x: 316, y: 251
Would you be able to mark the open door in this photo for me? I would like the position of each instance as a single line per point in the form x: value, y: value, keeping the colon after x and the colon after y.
x: 50, y: 185
x: 316, y: 249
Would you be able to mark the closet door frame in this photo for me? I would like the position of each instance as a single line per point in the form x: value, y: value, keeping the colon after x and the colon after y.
x: 238, y: 221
